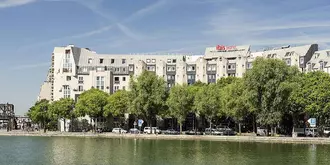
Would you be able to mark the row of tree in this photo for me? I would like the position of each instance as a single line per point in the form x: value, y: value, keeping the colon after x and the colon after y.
x: 269, y: 94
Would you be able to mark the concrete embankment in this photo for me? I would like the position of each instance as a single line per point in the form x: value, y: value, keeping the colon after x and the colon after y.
x: 303, y: 140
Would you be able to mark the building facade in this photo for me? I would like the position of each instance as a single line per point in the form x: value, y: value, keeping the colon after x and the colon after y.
x: 75, y: 70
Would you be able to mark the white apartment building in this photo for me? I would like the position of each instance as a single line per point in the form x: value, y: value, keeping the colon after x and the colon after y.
x: 320, y: 61
x: 75, y: 70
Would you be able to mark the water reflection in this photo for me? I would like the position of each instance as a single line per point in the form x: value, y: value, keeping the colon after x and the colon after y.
x: 72, y: 151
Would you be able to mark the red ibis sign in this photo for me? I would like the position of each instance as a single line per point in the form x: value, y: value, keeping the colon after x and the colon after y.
x: 222, y: 47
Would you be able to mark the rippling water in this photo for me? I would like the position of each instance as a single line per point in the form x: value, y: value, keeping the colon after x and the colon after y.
x: 98, y: 151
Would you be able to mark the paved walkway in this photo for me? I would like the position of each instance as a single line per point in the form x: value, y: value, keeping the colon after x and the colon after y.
x: 308, y: 140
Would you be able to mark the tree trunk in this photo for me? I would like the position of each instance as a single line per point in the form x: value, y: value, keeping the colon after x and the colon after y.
x: 64, y: 121
x: 150, y: 125
x: 239, y: 128
x: 45, y: 127
x: 180, y: 128
x: 254, y: 124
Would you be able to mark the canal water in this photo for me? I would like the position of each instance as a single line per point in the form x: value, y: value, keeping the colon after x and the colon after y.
x: 99, y: 151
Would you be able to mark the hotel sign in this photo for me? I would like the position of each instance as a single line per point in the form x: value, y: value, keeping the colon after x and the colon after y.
x: 222, y: 47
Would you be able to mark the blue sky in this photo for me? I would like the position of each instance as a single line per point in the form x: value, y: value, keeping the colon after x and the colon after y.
x: 30, y: 29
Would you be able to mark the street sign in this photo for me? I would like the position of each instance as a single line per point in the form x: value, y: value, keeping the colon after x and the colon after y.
x: 140, y: 122
x: 312, y: 122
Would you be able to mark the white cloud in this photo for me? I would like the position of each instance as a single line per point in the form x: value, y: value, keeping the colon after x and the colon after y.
x: 13, y: 3
x: 30, y: 66
x: 252, y: 27
x: 93, y: 5
x: 147, y: 10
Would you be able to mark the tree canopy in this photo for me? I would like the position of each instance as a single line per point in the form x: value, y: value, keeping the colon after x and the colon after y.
x: 117, y: 104
x: 147, y: 95
x: 180, y: 102
x: 268, y: 90
x: 92, y: 103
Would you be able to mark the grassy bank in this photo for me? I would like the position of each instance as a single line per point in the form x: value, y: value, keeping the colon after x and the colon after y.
x: 304, y: 140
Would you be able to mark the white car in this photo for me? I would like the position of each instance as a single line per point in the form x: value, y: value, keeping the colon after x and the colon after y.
x: 118, y: 130
x: 154, y: 130
x: 326, y: 131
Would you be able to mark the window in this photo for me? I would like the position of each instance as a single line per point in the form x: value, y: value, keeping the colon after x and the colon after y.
x: 170, y: 77
x: 84, y: 70
x: 170, y: 68
x: 151, y: 68
x: 67, y: 65
x: 209, y: 68
x: 112, y: 61
x: 191, y: 77
x: 148, y: 60
x: 80, y: 88
x: 124, y: 69
x: 131, y: 68
x: 169, y: 60
x: 174, y: 61
x: 68, y: 78
x: 100, y: 82
x: 153, y: 60
x: 328, y: 53
x: 213, y: 67
x: 124, y: 78
x: 123, y: 61
x: 80, y: 80
x: 100, y: 69
x: 90, y: 60
x: 301, y: 60
x: 101, y: 61
x: 321, y: 65
x: 309, y: 67
x: 116, y: 88
x: 116, y: 69
x: 117, y: 80
x: 66, y: 91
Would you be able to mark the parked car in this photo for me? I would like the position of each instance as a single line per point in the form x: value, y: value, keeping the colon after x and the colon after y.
x: 134, y: 131
x: 193, y: 132
x: 118, y: 130
x: 226, y: 131
x: 211, y: 131
x: 154, y: 130
x: 171, y: 132
x: 326, y: 131
x: 261, y: 132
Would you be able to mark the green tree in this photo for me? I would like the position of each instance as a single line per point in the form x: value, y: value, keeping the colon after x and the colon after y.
x: 224, y: 81
x: 38, y: 113
x: 180, y: 103
x: 234, y: 101
x: 91, y: 103
x: 147, y: 96
x: 268, y: 89
x: 312, y: 95
x: 63, y: 109
x: 117, y: 104
x: 207, y: 102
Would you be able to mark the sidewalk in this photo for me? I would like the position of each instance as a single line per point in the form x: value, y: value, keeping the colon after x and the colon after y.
x: 304, y: 140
